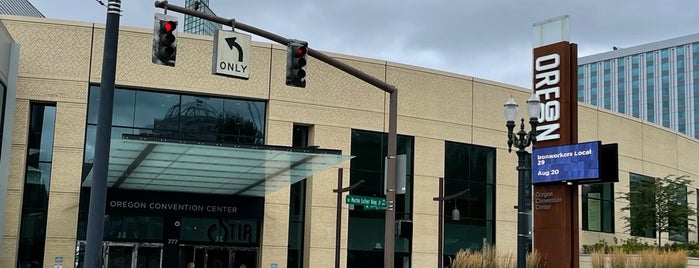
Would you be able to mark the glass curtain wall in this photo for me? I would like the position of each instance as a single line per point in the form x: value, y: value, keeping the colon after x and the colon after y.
x: 621, y: 85
x: 695, y: 87
x: 681, y: 90
x: 650, y: 87
x: 366, y: 227
x: 598, y: 207
x: 665, y: 87
x: 180, y: 116
x: 468, y: 166
x: 35, y: 201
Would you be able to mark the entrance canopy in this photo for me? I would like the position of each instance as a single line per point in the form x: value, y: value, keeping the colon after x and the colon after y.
x: 162, y: 164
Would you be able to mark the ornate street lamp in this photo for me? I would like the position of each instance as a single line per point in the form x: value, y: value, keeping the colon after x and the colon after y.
x: 521, y: 140
x: 455, y: 216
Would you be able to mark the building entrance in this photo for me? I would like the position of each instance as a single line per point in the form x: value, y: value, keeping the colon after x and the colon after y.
x: 217, y: 257
x: 150, y: 255
x: 125, y: 255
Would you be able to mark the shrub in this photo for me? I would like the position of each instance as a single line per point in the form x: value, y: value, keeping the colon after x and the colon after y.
x: 487, y: 257
x: 598, y: 259
x: 618, y: 258
x: 533, y: 259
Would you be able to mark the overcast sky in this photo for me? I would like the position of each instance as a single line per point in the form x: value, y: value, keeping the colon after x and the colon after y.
x: 489, y: 39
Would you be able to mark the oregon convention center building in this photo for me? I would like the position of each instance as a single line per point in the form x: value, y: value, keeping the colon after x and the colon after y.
x: 220, y: 170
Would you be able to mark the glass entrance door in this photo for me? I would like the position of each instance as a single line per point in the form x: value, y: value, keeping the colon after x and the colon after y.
x: 218, y: 258
x: 192, y: 255
x: 120, y: 255
x: 125, y: 255
x: 149, y: 256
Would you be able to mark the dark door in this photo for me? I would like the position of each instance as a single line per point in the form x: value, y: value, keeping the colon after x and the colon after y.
x: 218, y: 258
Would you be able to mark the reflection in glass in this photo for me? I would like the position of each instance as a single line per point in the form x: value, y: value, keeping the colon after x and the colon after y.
x: 36, y: 185
x: 123, y: 114
x: 148, y: 257
x: 598, y: 207
x: 157, y: 111
x: 468, y: 166
x: 90, y: 140
x: 131, y: 228
x: 200, y: 117
x: 217, y: 258
x: 243, y: 121
x: 170, y: 115
x: 366, y: 227
x: 119, y: 257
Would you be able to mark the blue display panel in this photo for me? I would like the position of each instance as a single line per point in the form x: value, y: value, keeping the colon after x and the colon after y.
x: 566, y: 163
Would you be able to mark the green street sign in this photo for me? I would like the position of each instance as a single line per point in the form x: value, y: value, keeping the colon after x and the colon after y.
x: 366, y: 201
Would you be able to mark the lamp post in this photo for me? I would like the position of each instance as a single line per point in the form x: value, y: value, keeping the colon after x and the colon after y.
x: 338, y: 218
x: 521, y: 140
x: 455, y: 215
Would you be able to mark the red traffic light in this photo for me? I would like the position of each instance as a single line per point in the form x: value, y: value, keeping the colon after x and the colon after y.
x: 300, y: 51
x: 168, y: 26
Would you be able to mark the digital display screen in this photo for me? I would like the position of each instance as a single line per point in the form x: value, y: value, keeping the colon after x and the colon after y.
x: 566, y: 163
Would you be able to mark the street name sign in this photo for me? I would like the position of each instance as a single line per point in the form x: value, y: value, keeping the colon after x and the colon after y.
x: 367, y: 201
x: 231, y: 54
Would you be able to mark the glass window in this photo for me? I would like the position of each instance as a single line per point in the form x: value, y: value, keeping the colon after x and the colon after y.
x: 158, y: 112
x: 201, y: 118
x: 243, y: 121
x: 133, y: 227
x: 641, y: 224
x: 366, y: 227
x: 581, y: 84
x: 469, y: 167
x: 598, y: 207
x: 42, y: 120
x: 123, y: 114
x: 90, y: 139
x: 297, y: 206
x: 173, y: 115
x: 679, y: 228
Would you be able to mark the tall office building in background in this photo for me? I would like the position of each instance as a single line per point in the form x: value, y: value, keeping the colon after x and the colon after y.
x: 656, y: 82
x: 19, y: 8
x: 197, y: 25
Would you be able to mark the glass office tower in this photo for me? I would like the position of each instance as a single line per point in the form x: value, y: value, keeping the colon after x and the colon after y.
x: 656, y: 82
x: 19, y: 8
x: 197, y: 25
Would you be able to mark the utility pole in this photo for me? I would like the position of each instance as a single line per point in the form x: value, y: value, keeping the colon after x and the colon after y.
x: 389, y: 235
x: 98, y: 191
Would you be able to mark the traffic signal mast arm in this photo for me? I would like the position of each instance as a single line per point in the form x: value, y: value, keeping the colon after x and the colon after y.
x: 281, y: 40
x: 389, y: 224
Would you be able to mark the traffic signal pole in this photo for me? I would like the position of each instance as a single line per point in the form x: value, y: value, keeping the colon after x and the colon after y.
x: 98, y: 191
x: 389, y: 235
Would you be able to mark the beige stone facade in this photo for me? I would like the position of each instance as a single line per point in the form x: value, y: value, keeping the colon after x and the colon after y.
x: 60, y: 59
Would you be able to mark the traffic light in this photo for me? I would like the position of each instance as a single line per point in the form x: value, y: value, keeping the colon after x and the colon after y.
x: 296, y: 58
x: 165, y: 40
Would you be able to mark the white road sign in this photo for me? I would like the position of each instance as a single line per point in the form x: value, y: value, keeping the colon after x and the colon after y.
x: 231, y: 54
